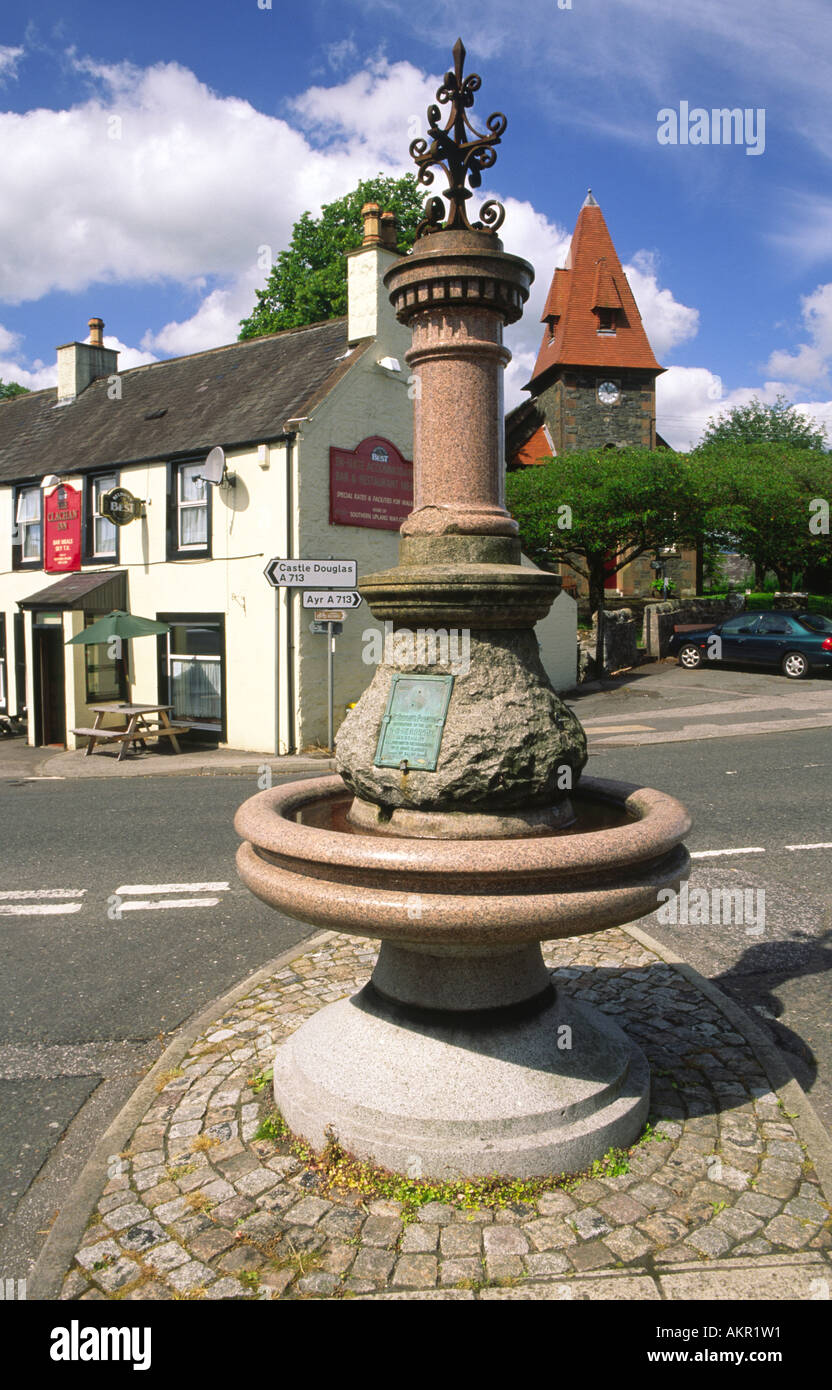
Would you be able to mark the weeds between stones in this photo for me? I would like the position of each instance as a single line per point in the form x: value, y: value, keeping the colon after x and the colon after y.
x: 338, y: 1171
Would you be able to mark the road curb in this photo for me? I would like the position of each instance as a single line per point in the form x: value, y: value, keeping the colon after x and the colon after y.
x: 289, y: 767
x: 807, y: 1123
x: 49, y: 1270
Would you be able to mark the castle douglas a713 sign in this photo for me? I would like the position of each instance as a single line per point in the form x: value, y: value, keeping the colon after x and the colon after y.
x: 312, y: 574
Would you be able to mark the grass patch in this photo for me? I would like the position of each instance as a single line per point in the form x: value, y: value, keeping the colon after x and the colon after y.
x: 181, y: 1171
x: 339, y: 1172
x: 260, y: 1081
x: 203, y: 1142
x: 199, y: 1201
x: 166, y: 1076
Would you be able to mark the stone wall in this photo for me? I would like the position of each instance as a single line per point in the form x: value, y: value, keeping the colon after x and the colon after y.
x: 621, y: 630
x: 660, y: 619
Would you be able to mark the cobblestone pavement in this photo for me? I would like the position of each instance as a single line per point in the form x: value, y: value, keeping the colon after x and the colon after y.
x: 196, y: 1207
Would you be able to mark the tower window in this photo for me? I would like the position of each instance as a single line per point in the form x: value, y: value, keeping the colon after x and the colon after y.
x: 606, y: 320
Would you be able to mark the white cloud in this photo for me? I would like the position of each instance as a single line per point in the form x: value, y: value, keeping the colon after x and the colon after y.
x: 728, y: 50
x: 159, y: 178
x: 216, y: 321
x: 8, y: 340
x: 341, y: 54
x: 808, y: 235
x: 810, y: 364
x: 667, y: 323
x: 377, y: 112
x: 38, y: 375
x: 688, y: 397
x: 9, y: 59
x: 127, y: 356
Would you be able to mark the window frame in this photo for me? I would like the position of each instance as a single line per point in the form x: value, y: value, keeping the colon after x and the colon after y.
x: 4, y: 668
x: 218, y: 620
x: 95, y: 696
x: 175, y: 549
x: 90, y: 555
x: 18, y: 560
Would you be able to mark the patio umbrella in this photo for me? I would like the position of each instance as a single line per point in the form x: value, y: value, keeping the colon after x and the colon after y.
x: 117, y: 624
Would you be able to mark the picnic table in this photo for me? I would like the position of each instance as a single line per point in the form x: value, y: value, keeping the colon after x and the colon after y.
x: 143, y: 722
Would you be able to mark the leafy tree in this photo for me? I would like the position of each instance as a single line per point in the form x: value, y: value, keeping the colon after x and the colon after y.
x: 756, y: 423
x: 308, y: 283
x: 599, y: 510
x: 11, y: 388
x: 758, y: 498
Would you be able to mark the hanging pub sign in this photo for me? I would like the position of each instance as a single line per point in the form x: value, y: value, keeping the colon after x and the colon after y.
x: 120, y: 506
x: 371, y: 485
x: 62, y: 529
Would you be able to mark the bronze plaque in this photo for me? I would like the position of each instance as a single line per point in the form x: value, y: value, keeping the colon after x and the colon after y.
x: 411, y: 730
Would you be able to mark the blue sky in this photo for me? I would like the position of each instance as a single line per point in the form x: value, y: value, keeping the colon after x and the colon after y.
x: 151, y: 152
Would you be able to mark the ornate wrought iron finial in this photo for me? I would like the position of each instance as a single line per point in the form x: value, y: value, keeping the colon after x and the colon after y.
x: 461, y: 152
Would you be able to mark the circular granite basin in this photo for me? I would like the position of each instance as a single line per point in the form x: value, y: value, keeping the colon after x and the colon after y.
x: 468, y: 892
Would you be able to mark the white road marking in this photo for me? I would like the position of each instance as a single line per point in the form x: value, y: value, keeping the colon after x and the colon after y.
x: 40, y: 910
x: 172, y: 888
x: 43, y: 893
x: 714, y: 853
x: 145, y: 906
x: 824, y: 844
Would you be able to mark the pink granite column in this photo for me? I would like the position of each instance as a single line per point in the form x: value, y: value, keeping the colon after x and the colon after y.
x: 459, y: 359
x: 456, y: 290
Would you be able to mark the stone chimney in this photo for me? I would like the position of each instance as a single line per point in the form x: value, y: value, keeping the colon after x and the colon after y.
x: 368, y: 304
x: 389, y: 230
x: 79, y: 364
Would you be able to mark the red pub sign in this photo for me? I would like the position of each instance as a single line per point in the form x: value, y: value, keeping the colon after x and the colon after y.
x: 62, y: 531
x: 371, y: 485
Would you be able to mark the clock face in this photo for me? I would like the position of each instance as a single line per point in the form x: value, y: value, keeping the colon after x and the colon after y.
x: 608, y: 393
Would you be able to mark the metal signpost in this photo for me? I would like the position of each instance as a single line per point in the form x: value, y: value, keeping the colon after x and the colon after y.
x: 329, y: 605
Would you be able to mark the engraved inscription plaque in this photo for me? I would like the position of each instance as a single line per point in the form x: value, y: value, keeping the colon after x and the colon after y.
x: 411, y: 730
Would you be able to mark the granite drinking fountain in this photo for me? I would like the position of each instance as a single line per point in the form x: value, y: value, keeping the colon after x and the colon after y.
x: 459, y: 830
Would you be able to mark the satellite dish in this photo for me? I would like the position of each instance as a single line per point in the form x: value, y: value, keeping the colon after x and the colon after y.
x: 213, y: 469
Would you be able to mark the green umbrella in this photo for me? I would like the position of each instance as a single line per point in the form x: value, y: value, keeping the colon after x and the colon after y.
x: 118, y: 624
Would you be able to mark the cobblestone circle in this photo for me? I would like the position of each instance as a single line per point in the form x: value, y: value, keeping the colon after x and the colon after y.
x: 197, y: 1208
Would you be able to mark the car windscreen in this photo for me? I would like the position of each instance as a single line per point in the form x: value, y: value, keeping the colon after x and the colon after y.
x: 815, y: 622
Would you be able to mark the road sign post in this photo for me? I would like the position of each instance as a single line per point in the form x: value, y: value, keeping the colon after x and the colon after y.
x: 330, y: 686
x: 329, y: 605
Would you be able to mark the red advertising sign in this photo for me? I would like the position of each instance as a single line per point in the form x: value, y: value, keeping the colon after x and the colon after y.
x: 62, y: 532
x: 371, y: 485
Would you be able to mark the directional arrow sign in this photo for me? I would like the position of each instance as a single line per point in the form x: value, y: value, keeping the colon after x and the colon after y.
x: 310, y: 574
x: 331, y: 598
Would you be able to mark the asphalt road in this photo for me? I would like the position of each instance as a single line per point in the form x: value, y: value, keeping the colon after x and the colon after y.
x: 762, y: 794
x: 93, y: 983
x: 93, y: 986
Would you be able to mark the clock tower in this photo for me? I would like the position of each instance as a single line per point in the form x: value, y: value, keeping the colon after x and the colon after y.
x: 594, y: 382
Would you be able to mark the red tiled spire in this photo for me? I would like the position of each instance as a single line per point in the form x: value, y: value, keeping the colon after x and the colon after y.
x: 592, y: 281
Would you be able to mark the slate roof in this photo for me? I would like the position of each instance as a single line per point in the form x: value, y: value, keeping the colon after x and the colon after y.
x: 73, y: 589
x: 236, y: 395
x: 593, y: 278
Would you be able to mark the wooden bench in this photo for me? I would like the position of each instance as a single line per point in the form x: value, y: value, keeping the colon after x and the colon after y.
x: 143, y: 724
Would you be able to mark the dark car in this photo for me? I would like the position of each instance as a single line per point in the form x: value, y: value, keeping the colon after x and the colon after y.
x: 796, y: 642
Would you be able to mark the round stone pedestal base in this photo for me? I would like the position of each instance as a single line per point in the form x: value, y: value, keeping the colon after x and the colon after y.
x: 544, y: 1087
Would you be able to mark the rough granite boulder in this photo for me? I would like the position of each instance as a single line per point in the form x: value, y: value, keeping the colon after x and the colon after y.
x: 508, y: 742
